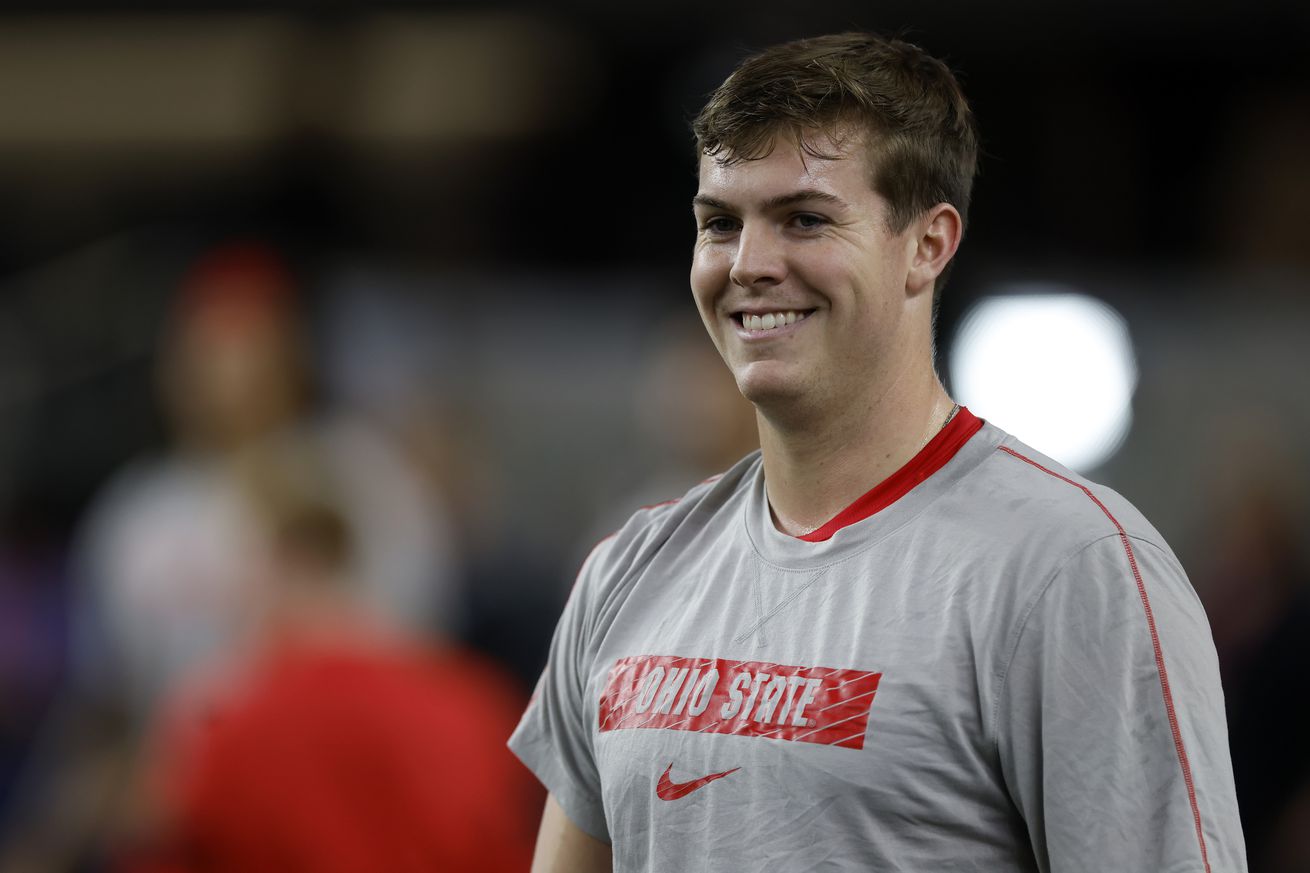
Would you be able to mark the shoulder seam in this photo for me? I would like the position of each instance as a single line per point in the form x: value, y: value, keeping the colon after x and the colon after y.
x: 673, y: 500
x: 1161, y: 671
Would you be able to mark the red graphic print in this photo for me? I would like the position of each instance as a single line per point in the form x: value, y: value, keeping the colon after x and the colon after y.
x: 821, y: 705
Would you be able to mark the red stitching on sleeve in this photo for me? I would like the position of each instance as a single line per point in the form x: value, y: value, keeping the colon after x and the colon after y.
x: 1155, y: 643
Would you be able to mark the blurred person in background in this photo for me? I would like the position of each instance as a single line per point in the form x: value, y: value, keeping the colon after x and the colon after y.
x: 329, y: 742
x: 162, y: 562
x: 1256, y: 588
x: 161, y: 547
x: 689, y: 409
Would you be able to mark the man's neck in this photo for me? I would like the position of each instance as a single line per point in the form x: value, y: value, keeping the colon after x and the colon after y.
x: 814, y: 472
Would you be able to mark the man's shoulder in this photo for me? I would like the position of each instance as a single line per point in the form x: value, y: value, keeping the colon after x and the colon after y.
x: 705, y: 504
x: 1033, y: 496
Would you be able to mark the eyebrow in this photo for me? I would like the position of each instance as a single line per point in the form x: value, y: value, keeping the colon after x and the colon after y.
x: 805, y: 195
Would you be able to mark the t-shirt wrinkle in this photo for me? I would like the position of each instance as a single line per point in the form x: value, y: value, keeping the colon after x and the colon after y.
x: 1022, y: 623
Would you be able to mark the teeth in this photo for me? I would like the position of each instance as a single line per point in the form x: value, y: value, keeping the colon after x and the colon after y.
x: 770, y: 320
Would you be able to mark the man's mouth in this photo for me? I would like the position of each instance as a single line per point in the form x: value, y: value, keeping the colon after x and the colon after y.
x: 761, y: 321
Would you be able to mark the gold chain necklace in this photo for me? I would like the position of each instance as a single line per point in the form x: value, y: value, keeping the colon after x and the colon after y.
x: 950, y: 415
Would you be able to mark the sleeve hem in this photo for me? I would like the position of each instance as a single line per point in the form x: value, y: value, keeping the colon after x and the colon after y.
x: 582, y: 807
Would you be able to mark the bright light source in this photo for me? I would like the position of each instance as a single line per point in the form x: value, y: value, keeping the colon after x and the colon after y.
x: 1054, y: 368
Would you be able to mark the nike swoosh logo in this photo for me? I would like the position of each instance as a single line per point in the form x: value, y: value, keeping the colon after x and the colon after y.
x: 667, y: 789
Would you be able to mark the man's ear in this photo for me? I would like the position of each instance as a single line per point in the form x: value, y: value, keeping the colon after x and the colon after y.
x: 936, y: 236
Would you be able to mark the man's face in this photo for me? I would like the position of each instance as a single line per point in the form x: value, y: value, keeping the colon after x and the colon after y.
x: 799, y: 278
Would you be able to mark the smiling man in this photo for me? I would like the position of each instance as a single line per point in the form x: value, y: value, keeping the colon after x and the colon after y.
x: 896, y: 638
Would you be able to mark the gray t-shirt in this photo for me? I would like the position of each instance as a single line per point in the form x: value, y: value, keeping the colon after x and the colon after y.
x: 988, y: 663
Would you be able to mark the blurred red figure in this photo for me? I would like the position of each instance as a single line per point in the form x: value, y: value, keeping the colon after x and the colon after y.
x: 334, y: 746
x: 341, y: 759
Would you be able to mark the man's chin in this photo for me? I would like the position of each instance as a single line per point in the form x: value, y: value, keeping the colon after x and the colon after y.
x: 771, y: 391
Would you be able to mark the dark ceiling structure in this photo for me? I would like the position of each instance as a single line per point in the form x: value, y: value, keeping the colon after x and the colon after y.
x: 556, y: 137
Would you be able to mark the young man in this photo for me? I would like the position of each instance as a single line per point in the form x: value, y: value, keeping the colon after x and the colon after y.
x: 896, y: 638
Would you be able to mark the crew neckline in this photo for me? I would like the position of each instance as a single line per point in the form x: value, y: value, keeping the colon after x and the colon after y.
x: 931, y: 458
x: 950, y: 456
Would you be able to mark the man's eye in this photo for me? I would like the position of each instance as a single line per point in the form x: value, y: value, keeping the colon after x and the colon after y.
x: 719, y: 225
x: 809, y: 221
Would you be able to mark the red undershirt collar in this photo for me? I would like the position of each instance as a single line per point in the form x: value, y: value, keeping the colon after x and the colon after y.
x: 929, y: 460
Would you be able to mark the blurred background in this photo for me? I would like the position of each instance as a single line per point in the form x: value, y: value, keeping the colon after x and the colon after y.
x: 333, y: 335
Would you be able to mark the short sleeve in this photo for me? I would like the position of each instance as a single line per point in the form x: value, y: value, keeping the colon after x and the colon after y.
x: 554, y: 737
x: 1110, y: 721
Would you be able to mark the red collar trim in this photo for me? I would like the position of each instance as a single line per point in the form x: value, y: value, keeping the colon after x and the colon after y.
x: 930, y: 459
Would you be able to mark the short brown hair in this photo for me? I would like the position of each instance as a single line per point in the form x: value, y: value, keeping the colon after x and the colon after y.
x: 294, y: 495
x: 920, y: 131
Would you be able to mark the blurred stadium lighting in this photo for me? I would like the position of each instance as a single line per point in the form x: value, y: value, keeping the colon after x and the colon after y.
x: 1052, y: 366
x: 152, y: 84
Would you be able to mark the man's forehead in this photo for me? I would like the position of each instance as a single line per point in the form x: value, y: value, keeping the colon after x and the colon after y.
x: 787, y: 168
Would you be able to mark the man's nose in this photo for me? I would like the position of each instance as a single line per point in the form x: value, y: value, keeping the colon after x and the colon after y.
x: 759, y: 257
